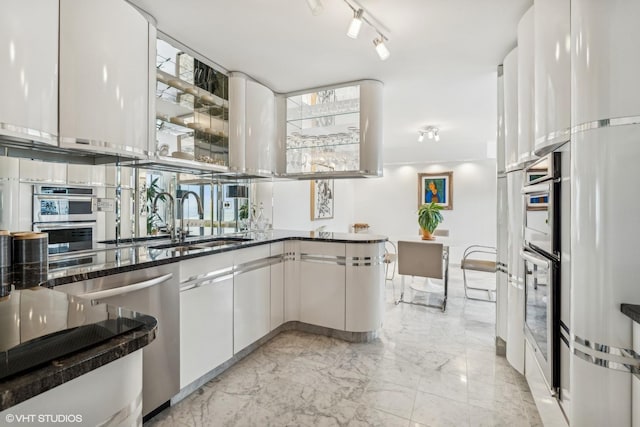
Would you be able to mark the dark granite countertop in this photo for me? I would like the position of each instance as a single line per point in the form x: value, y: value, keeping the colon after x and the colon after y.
x: 108, y: 259
x: 631, y: 310
x: 48, y: 338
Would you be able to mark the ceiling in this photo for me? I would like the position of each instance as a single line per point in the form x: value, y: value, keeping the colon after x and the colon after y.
x: 441, y: 72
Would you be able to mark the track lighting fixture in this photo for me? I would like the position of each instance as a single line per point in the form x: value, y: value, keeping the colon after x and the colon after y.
x: 356, y: 24
x: 431, y: 132
x: 381, y: 48
x: 315, y: 6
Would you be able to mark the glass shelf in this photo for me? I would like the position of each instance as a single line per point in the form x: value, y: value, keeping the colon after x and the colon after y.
x: 192, y: 108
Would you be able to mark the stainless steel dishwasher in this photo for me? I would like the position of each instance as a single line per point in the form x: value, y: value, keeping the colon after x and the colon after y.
x: 156, y: 292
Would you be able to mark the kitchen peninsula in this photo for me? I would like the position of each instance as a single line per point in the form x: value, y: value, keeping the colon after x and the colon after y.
x: 245, y: 288
x: 55, y: 348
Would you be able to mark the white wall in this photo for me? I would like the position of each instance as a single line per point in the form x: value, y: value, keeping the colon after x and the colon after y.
x: 389, y: 204
x: 291, y: 206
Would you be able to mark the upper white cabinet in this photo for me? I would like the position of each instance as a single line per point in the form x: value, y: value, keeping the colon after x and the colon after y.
x: 104, y: 77
x: 510, y: 81
x: 526, y: 87
x: 252, y: 123
x: 552, y: 74
x: 500, y: 149
x: 29, y: 69
x: 334, y: 131
x: 605, y: 62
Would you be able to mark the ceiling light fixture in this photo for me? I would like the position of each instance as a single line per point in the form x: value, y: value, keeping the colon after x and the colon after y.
x: 381, y: 48
x: 360, y: 15
x: 315, y: 6
x: 356, y: 24
x: 431, y: 132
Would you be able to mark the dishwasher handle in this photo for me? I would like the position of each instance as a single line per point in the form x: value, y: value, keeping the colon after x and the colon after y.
x: 126, y: 289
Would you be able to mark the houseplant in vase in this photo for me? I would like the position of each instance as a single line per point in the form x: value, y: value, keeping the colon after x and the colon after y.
x: 429, y: 217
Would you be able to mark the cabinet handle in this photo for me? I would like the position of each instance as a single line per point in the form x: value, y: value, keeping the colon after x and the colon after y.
x: 205, y: 282
x: 126, y: 289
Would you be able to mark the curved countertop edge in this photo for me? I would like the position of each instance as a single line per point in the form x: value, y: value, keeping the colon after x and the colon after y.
x: 59, y: 371
x: 632, y: 311
x: 353, y: 238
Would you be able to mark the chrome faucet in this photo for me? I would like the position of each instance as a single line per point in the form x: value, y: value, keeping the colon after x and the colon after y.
x: 183, y: 233
x: 169, y: 224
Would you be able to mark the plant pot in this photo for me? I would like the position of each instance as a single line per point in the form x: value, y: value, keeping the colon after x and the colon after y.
x: 426, y: 235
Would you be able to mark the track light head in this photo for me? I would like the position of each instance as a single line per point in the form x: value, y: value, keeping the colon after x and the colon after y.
x: 431, y: 132
x: 356, y: 24
x: 420, y: 136
x: 436, y: 134
x: 315, y: 6
x: 381, y: 48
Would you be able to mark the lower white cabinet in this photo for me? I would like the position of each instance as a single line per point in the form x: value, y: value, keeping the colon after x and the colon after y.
x: 251, y: 296
x: 322, y: 284
x: 291, y: 281
x: 277, y: 285
x: 365, y: 290
x: 206, y: 329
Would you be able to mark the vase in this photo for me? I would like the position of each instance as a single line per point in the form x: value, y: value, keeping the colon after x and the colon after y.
x: 426, y: 235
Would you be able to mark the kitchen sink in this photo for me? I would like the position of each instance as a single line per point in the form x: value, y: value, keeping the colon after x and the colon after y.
x: 203, y: 244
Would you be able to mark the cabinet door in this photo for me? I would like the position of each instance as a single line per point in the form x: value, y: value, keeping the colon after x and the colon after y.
x: 260, y: 134
x: 29, y: 69
x: 526, y: 83
x: 251, y: 307
x: 104, y: 77
x: 322, y: 284
x: 364, y: 287
x: 277, y: 286
x: 206, y: 329
x: 86, y: 174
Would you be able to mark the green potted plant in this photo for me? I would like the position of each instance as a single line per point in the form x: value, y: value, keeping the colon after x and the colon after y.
x: 429, y: 217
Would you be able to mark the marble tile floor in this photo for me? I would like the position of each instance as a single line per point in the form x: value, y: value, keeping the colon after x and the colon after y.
x: 428, y: 368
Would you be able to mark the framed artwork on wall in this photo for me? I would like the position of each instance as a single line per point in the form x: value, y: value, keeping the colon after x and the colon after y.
x: 321, y: 199
x: 436, y: 187
x: 536, y: 203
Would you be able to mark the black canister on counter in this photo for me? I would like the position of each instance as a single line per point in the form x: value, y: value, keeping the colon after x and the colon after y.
x: 30, y: 259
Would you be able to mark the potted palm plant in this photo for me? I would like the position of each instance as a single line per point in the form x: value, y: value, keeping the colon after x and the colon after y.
x: 429, y: 217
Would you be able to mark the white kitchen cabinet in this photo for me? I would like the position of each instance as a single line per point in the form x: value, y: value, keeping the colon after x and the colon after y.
x: 251, y: 296
x: 552, y: 74
x: 322, y: 284
x: 252, y: 119
x: 206, y: 328
x: 104, y: 77
x: 206, y: 315
x: 92, y: 175
x: 277, y: 285
x: 9, y: 193
x: 42, y: 172
x: 29, y: 69
x: 291, y: 281
x: 510, y: 75
x: 364, y: 294
x: 526, y: 83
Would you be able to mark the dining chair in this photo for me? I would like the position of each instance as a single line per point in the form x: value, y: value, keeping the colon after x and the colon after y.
x: 424, y: 259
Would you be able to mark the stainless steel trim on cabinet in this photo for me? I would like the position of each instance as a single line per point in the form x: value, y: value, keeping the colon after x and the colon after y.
x: 126, y: 289
x: 552, y: 140
x: 71, y: 142
x: 323, y: 259
x: 603, y: 123
x: 135, y: 406
x: 206, y: 281
x: 365, y: 261
x: 44, y: 137
x: 606, y: 356
x: 256, y: 264
x: 514, y: 167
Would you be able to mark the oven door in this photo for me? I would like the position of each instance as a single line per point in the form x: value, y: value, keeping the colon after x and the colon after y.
x: 540, y: 219
x: 68, y: 237
x: 541, y: 313
x: 54, y: 208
